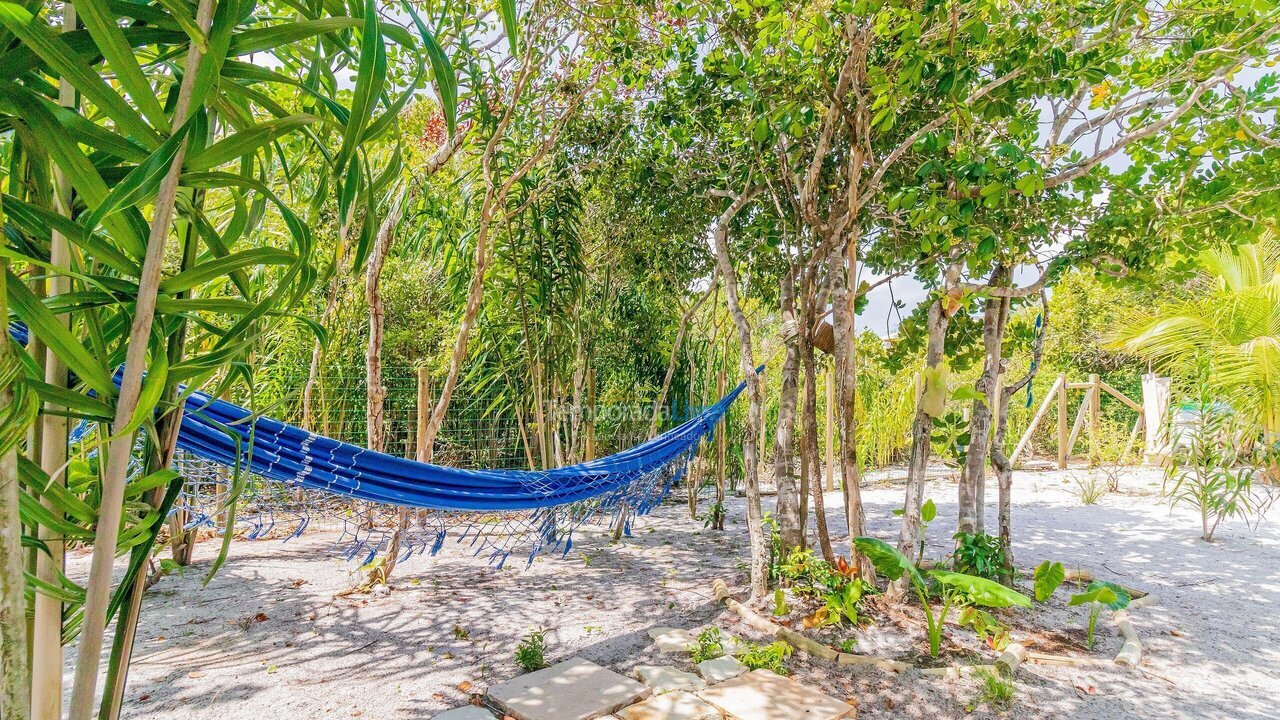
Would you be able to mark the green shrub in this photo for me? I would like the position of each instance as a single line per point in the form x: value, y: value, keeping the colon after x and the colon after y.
x: 709, y: 645
x: 531, y: 652
x: 767, y: 657
x: 979, y: 555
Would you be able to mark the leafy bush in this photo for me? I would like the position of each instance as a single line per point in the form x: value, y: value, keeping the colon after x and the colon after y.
x: 709, y: 645
x: 767, y: 657
x: 531, y: 652
x: 956, y: 589
x: 978, y: 554
x: 1209, y: 471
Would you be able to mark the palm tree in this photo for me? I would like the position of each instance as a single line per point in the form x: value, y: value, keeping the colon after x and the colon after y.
x: 1226, y: 330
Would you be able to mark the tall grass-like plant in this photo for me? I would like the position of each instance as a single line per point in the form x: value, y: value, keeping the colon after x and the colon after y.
x: 147, y: 232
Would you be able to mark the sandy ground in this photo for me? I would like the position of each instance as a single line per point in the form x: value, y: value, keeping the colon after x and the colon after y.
x: 268, y: 638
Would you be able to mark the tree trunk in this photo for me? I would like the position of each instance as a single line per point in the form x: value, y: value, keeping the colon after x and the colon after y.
x: 809, y: 427
x: 788, y: 507
x: 46, y: 628
x: 1002, y: 463
x: 15, y: 690
x: 940, y: 311
x: 841, y: 269
x: 975, y: 470
x: 750, y: 464
x: 111, y: 509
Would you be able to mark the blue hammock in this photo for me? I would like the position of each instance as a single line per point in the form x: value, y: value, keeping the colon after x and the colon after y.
x: 500, y: 510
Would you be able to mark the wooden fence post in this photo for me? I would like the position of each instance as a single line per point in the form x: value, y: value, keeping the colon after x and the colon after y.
x: 424, y: 453
x: 1063, y: 450
x: 1095, y: 408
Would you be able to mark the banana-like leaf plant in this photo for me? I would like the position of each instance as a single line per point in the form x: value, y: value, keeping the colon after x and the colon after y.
x: 956, y: 589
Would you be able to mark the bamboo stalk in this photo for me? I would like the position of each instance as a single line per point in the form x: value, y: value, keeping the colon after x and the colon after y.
x: 46, y: 628
x: 98, y: 590
x: 15, y: 691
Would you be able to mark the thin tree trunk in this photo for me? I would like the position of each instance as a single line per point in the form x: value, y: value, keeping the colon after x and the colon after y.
x: 1001, y: 461
x: 375, y: 412
x: 788, y: 508
x: 675, y: 352
x: 98, y: 588
x: 841, y: 268
x: 15, y: 690
x: 46, y: 628
x: 940, y: 311
x: 975, y: 469
x: 750, y: 460
x: 809, y: 427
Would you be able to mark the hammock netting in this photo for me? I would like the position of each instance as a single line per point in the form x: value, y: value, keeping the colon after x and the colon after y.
x: 279, y: 478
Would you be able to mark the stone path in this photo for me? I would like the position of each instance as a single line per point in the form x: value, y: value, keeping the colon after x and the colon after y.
x: 722, y: 689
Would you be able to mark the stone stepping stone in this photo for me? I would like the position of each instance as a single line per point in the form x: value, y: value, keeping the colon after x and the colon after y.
x: 466, y: 712
x: 677, y: 705
x: 665, y: 678
x: 720, y: 669
x: 764, y: 695
x: 673, y: 640
x: 576, y: 689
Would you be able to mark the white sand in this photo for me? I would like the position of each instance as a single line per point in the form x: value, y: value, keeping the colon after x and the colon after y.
x: 454, y: 621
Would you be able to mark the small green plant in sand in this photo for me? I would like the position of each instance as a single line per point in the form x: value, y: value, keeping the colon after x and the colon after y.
x: 1089, y: 488
x: 780, y: 608
x: 978, y: 554
x: 771, y: 657
x: 1047, y: 578
x: 709, y: 645
x: 531, y: 652
x: 1097, y: 595
x: 995, y: 691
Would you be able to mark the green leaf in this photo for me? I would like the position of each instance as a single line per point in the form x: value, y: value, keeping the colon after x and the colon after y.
x: 109, y: 37
x: 969, y: 393
x: 1102, y: 595
x: 441, y: 67
x: 1048, y: 576
x: 1122, y: 596
x: 887, y: 560
x: 246, y: 141
x: 46, y: 326
x: 36, y: 35
x: 982, y: 591
x: 511, y: 24
x: 928, y: 511
x: 370, y: 77
x: 142, y: 182
x: 211, y: 269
